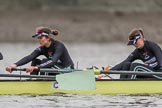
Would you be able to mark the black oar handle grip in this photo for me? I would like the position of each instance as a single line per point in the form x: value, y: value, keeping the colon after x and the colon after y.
x: 19, y: 69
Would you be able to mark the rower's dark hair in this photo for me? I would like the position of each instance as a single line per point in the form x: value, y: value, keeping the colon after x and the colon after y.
x: 47, y: 30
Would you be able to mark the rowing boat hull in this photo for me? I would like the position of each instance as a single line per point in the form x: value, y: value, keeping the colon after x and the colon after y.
x: 102, y: 87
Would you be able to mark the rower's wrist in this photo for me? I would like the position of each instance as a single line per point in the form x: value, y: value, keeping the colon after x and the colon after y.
x: 13, y: 65
x: 38, y: 66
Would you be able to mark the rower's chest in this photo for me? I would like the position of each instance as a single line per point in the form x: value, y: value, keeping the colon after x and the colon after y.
x: 49, y: 52
x: 146, y: 55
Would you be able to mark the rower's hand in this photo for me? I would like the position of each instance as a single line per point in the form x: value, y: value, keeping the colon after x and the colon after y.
x: 146, y: 64
x: 30, y: 69
x: 106, y: 68
x: 10, y: 68
x: 100, y: 76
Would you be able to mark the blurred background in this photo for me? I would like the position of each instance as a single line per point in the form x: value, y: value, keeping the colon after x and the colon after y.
x: 93, y: 29
x: 80, y: 20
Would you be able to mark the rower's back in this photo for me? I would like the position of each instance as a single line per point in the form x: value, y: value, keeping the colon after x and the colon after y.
x: 1, y: 56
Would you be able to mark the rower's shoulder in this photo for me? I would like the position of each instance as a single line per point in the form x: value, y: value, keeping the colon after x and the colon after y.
x: 135, y: 52
x: 150, y: 43
x: 58, y: 43
x: 40, y: 48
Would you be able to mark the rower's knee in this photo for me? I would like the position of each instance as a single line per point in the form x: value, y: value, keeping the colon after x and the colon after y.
x: 134, y: 66
x: 126, y: 66
x: 35, y: 62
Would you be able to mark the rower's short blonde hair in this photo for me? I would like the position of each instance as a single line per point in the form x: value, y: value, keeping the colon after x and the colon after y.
x: 136, y: 31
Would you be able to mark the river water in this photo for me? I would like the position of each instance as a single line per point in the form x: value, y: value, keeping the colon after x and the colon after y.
x: 81, y: 101
x: 86, y: 55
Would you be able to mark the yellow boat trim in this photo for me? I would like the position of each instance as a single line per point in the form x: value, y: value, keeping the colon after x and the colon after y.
x: 102, y: 87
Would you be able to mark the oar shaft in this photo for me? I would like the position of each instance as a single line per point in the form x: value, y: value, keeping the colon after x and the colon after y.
x: 26, y: 76
x: 40, y: 70
x: 102, y: 72
x: 95, y: 71
x: 56, y: 70
x: 49, y: 70
x: 130, y: 72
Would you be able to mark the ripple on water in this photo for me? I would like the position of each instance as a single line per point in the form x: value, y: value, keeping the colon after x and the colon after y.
x: 80, y: 101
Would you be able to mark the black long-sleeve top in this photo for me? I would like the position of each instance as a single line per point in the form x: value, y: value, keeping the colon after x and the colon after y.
x: 1, y: 56
x: 150, y: 54
x: 56, y: 53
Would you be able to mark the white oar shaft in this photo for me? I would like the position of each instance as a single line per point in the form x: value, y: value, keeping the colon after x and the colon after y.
x: 96, y: 71
x: 131, y: 72
x: 26, y: 76
x: 49, y: 70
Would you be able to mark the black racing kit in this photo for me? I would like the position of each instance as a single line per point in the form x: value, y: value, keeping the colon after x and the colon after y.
x: 55, y: 54
x: 150, y: 54
x: 1, y: 56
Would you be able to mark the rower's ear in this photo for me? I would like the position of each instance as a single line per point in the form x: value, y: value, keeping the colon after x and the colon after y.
x: 1, y: 56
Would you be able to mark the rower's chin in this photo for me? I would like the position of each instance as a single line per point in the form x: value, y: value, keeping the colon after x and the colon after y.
x: 41, y: 44
x: 138, y: 47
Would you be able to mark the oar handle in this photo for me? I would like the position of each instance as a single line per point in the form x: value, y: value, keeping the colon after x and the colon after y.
x: 19, y: 69
x: 27, y: 76
x: 47, y: 70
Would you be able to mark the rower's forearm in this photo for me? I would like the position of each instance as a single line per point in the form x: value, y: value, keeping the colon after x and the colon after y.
x: 47, y: 64
x: 24, y: 61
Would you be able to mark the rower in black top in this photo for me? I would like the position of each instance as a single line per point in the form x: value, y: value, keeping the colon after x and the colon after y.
x: 1, y: 56
x: 55, y: 52
x: 146, y: 51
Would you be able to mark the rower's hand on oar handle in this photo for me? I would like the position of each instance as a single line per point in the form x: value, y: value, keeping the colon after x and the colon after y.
x: 30, y: 69
x: 100, y: 76
x: 106, y: 68
x: 10, y: 68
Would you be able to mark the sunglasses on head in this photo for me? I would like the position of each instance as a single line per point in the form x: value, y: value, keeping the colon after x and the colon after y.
x: 133, y: 39
x: 40, y: 34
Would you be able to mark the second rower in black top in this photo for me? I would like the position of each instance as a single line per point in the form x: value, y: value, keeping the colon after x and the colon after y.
x: 146, y: 51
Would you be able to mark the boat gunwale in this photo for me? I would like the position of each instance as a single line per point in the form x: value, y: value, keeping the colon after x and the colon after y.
x: 97, y: 80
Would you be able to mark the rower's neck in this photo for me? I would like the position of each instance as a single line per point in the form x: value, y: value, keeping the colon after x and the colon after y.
x: 48, y: 44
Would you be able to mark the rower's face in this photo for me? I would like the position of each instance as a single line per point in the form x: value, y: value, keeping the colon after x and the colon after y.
x: 140, y: 43
x: 43, y: 41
